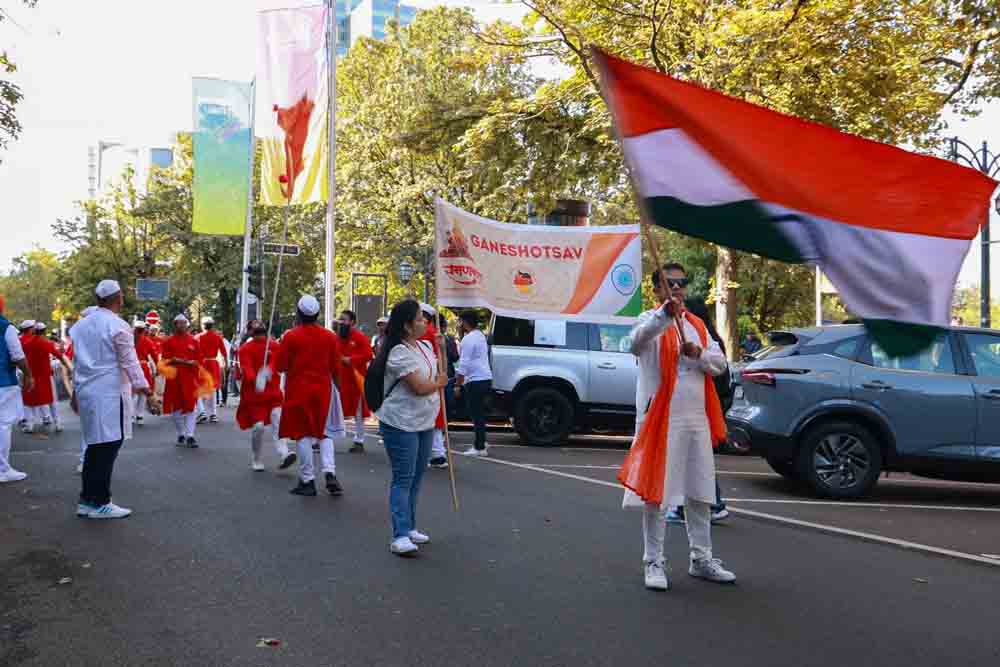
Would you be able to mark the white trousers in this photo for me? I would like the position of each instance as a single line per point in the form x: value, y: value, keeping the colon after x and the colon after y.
x: 5, y: 440
x: 208, y: 406
x: 437, y: 445
x: 698, y: 517
x: 184, y: 423
x: 359, y: 423
x: 328, y: 463
x: 257, y: 436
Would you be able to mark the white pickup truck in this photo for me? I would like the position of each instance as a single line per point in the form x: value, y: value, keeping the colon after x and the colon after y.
x: 551, y: 377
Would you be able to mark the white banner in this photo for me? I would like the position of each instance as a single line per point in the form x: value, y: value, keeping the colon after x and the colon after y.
x: 590, y: 274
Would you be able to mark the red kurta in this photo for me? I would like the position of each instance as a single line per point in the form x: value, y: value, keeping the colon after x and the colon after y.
x: 431, y: 337
x: 310, y: 357
x: 358, y: 348
x: 181, y: 392
x: 39, y: 351
x: 211, y: 345
x: 256, y: 407
x: 144, y: 349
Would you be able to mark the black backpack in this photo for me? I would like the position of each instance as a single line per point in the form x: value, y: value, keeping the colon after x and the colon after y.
x: 375, y: 393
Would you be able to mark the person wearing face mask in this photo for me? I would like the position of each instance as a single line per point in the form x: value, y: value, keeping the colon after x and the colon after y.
x: 678, y: 421
x: 408, y: 367
x: 356, y: 354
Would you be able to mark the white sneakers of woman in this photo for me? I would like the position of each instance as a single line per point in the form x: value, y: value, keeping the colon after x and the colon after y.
x: 109, y: 511
x: 12, y: 476
x: 403, y: 546
x: 656, y: 577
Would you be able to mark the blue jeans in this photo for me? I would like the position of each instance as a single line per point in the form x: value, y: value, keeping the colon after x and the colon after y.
x: 408, y: 453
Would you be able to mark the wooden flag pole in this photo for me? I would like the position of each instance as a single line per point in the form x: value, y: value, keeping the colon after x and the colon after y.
x: 651, y: 240
x: 443, y: 370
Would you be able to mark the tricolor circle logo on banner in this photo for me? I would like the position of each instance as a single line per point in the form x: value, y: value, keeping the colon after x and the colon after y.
x: 152, y: 318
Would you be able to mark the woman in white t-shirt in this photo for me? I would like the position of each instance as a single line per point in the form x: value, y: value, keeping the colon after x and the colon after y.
x: 407, y: 414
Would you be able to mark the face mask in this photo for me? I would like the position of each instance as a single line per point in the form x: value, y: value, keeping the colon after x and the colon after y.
x: 344, y: 330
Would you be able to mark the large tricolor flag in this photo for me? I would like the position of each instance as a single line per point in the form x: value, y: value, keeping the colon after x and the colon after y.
x: 889, y: 228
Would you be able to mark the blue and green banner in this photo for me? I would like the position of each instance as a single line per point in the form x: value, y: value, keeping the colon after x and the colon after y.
x: 222, y: 152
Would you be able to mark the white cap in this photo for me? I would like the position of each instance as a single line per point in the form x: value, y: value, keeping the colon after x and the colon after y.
x: 207, y: 320
x: 427, y: 309
x: 106, y: 288
x: 138, y: 324
x: 179, y: 317
x: 382, y: 320
x: 308, y: 305
x: 89, y: 310
x: 39, y: 326
x: 27, y: 324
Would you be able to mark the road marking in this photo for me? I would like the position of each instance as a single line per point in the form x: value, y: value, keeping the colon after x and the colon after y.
x: 868, y: 537
x: 845, y: 503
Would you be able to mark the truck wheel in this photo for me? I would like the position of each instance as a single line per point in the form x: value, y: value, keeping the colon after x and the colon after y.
x: 543, y: 416
x: 840, y: 460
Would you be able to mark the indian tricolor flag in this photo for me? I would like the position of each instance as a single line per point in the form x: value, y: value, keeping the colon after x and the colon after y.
x: 888, y: 227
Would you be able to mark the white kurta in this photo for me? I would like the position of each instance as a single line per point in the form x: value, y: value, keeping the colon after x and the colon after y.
x: 11, y: 407
x: 690, y: 463
x: 105, y: 370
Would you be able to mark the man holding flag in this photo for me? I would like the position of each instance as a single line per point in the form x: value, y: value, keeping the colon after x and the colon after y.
x: 260, y: 408
x: 678, y: 421
x: 211, y: 345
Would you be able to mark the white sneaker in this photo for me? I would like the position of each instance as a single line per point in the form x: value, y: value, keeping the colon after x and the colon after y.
x: 12, y: 476
x: 256, y: 465
x: 59, y: 427
x: 418, y: 538
x: 84, y: 509
x: 711, y: 569
x: 475, y: 453
x: 656, y: 577
x: 721, y: 515
x: 403, y: 546
x: 109, y: 511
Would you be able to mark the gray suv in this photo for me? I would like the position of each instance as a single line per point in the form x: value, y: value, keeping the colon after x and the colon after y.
x: 826, y: 406
x: 551, y: 377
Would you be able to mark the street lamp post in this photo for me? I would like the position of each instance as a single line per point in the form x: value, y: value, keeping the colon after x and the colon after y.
x: 988, y: 163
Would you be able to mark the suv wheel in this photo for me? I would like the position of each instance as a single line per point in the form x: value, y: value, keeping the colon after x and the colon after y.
x: 543, y: 416
x: 840, y: 460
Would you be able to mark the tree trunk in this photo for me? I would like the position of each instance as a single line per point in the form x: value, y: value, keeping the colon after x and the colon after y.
x: 725, y: 301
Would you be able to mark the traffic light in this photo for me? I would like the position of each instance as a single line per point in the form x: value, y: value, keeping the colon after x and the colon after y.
x: 256, y: 280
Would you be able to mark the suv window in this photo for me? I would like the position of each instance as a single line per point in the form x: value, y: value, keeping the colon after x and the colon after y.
x: 985, y: 352
x: 935, y: 359
x: 521, y: 333
x: 612, y: 338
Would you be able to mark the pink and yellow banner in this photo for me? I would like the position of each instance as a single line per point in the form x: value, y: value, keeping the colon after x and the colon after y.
x: 590, y: 274
x: 292, y: 105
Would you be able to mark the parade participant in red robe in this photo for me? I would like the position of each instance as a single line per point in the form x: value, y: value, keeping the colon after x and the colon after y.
x: 148, y: 357
x: 439, y: 457
x: 310, y: 357
x: 260, y: 408
x: 212, y: 346
x: 39, y: 401
x: 179, y: 357
x: 356, y: 354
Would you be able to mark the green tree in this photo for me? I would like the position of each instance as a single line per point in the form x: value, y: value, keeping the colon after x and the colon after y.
x: 881, y: 70
x: 31, y: 288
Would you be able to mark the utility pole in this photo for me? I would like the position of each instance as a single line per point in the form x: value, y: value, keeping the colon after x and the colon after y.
x: 988, y: 163
x: 331, y: 218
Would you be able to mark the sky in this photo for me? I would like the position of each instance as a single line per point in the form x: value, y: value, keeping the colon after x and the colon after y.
x: 120, y: 70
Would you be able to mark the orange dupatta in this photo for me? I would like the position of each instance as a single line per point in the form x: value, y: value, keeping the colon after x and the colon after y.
x: 645, y: 468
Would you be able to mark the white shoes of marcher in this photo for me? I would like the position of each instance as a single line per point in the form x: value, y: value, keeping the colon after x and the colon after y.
x: 256, y: 465
x: 711, y: 569
x: 109, y: 511
x: 12, y: 476
x: 419, y: 538
x: 656, y: 577
x: 403, y: 546
x: 473, y: 452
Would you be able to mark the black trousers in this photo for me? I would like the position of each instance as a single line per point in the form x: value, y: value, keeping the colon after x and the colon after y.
x: 98, y: 464
x: 475, y: 404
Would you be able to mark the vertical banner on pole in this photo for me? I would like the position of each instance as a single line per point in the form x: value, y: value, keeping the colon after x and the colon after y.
x: 222, y: 144
x: 292, y: 104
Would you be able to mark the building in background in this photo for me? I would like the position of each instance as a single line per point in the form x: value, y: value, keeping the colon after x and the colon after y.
x: 368, y: 18
x: 108, y: 159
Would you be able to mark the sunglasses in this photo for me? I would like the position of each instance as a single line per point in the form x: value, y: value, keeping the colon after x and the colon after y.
x: 677, y: 282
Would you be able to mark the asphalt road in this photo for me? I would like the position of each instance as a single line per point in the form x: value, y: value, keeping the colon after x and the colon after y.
x: 540, y: 567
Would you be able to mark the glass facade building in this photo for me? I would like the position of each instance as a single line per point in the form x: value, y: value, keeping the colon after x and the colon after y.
x: 368, y: 18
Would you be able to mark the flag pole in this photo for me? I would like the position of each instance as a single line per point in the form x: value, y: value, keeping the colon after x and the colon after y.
x: 331, y: 90
x: 651, y: 241
x: 442, y: 368
x: 248, y: 232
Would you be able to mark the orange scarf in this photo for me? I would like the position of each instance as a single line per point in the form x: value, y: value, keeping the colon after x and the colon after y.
x: 645, y: 467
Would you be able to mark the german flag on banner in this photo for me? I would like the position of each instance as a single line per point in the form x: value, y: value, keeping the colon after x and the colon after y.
x: 888, y: 227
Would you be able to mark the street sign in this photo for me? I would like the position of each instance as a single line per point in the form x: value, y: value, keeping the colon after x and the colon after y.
x: 152, y: 289
x: 276, y: 249
x: 152, y: 318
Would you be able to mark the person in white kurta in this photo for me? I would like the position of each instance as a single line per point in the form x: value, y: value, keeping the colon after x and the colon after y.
x: 11, y: 359
x: 106, y: 374
x: 690, y: 474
